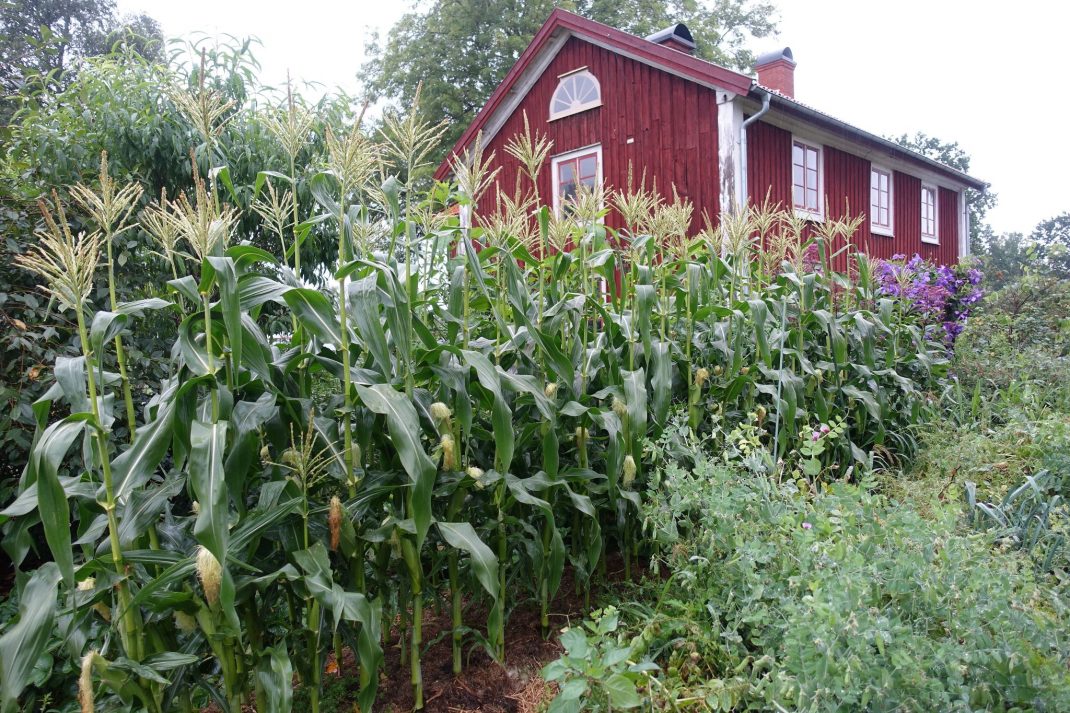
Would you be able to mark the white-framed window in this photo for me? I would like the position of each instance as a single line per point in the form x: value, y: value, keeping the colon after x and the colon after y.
x: 807, y: 179
x: 576, y: 91
x: 881, y: 195
x: 582, y: 167
x: 930, y: 214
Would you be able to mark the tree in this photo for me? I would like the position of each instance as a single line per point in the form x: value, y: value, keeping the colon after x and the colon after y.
x: 41, y: 39
x: 953, y: 155
x: 1052, y: 238
x: 461, y: 49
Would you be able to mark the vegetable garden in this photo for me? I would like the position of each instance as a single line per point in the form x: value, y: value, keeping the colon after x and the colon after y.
x: 462, y: 415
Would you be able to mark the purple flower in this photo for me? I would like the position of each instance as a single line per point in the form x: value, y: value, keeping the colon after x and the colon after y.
x: 806, y: 526
x: 824, y: 429
x: 815, y: 436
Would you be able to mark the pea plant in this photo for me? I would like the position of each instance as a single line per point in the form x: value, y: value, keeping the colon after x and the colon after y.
x: 455, y: 417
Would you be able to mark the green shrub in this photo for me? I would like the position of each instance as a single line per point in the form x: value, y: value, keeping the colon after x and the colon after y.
x: 840, y: 600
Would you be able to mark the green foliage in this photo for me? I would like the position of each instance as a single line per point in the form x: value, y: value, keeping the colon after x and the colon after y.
x: 454, y: 58
x: 1019, y: 339
x: 42, y: 41
x: 839, y: 600
x: 594, y: 674
x: 1052, y: 237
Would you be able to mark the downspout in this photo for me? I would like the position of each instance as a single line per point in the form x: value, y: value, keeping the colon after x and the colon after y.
x: 743, y: 146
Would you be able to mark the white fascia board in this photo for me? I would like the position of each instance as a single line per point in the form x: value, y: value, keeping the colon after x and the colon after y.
x: 808, y: 130
x: 522, y: 86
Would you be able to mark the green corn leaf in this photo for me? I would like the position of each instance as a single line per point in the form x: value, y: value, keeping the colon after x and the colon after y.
x: 403, y: 424
x: 187, y: 287
x: 501, y: 414
x: 55, y: 513
x: 194, y: 353
x: 462, y: 536
x: 255, y: 290
x: 661, y: 381
x: 23, y: 642
x: 207, y: 441
x: 132, y: 468
x: 106, y: 326
x: 314, y: 312
x: 137, y: 308
x: 275, y: 676
x: 71, y: 377
x: 144, y: 507
x: 364, y: 301
x: 227, y: 279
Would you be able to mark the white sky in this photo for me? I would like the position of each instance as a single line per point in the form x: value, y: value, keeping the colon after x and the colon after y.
x: 991, y: 76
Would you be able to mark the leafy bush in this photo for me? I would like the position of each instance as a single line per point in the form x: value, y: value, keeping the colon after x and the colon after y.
x: 839, y: 600
x: 1019, y: 339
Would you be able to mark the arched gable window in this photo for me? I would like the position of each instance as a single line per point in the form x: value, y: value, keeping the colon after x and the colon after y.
x: 576, y: 91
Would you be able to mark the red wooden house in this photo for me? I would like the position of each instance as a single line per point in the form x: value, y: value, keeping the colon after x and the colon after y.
x: 610, y: 100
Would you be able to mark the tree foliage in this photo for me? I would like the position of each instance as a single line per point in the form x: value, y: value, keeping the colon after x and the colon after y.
x: 122, y: 103
x: 1052, y: 237
x: 950, y: 153
x: 40, y: 41
x: 459, y: 50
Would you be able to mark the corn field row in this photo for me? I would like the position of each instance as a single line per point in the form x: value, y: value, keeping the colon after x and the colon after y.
x: 459, y: 418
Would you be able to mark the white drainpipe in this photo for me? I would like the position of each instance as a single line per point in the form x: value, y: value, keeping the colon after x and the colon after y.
x: 743, y: 147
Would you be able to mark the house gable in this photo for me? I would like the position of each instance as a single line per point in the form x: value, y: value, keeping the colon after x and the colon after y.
x: 649, y: 120
x: 548, y: 41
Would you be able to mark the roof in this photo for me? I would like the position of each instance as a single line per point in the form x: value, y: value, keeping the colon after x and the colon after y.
x: 790, y: 105
x: 563, y: 24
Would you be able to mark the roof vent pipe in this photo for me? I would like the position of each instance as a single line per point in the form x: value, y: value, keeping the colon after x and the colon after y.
x: 676, y: 37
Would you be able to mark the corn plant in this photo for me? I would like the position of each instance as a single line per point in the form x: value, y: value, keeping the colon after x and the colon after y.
x: 460, y: 415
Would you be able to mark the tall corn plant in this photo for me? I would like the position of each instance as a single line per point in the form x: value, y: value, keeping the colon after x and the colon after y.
x: 459, y: 417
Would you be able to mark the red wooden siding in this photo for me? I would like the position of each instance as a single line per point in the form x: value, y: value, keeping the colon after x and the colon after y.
x: 907, y: 225
x: 847, y: 183
x: 768, y: 164
x: 847, y: 194
x: 673, y: 124
x: 947, y: 218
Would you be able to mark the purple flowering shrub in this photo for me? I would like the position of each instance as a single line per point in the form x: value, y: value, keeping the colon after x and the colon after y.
x: 942, y: 296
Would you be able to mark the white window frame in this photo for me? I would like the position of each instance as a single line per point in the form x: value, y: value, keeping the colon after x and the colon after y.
x: 874, y: 227
x: 555, y: 177
x: 561, y: 79
x: 817, y: 216
x: 933, y: 239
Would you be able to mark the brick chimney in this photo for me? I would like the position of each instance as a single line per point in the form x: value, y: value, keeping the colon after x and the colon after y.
x: 776, y: 70
x: 676, y: 37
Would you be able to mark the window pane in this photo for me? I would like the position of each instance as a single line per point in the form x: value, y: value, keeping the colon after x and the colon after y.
x: 811, y: 178
x: 567, y: 171
x: 811, y: 159
x: 588, y: 166
x: 811, y: 199
x: 797, y: 155
x: 797, y: 176
x: 800, y: 201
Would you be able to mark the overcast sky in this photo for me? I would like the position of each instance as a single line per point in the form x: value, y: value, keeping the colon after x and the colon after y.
x: 991, y: 76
